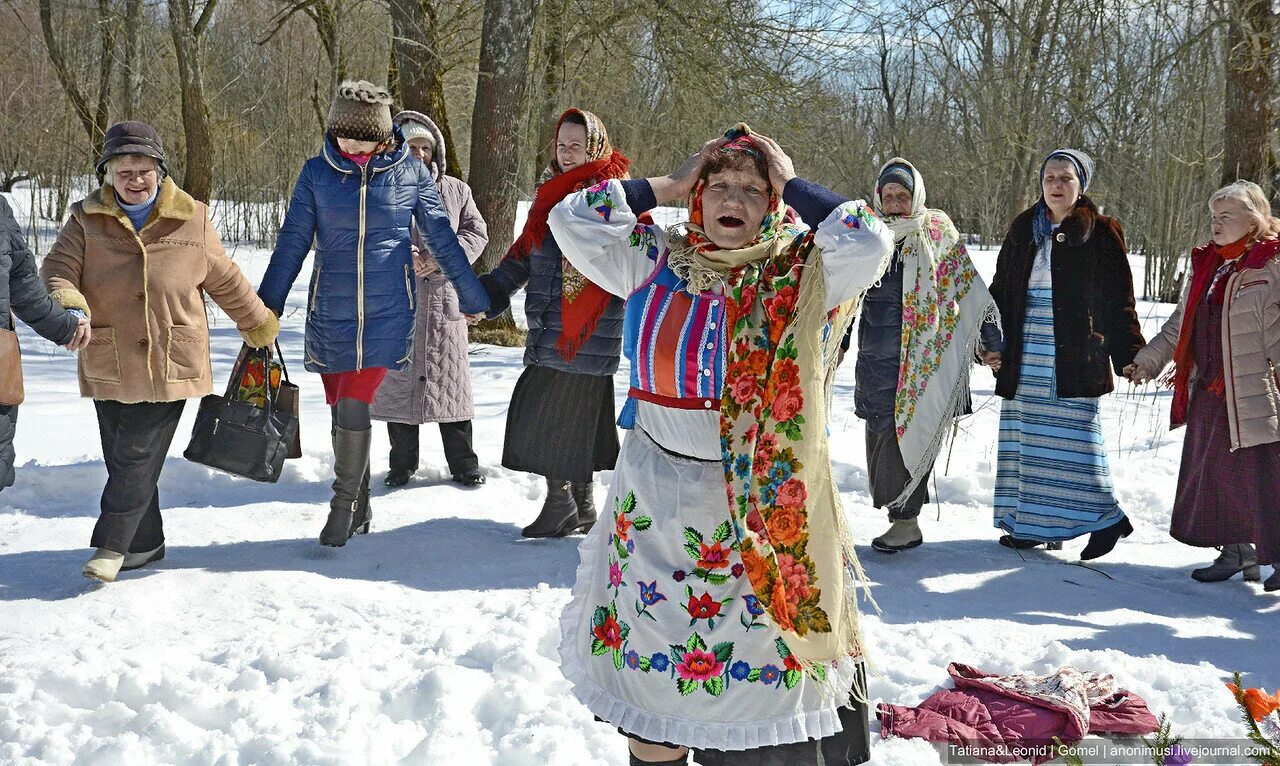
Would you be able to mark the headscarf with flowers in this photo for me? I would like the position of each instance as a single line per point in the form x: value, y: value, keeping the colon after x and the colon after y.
x: 582, y: 302
x: 790, y: 530
x: 944, y: 304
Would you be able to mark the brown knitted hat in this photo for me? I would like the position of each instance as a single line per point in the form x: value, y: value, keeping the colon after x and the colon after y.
x: 360, y: 111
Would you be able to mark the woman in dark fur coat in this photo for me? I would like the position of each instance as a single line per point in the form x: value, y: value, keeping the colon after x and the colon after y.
x: 1065, y: 292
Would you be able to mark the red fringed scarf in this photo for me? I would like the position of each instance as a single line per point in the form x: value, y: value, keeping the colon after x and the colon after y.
x: 1204, y: 265
x: 582, y: 301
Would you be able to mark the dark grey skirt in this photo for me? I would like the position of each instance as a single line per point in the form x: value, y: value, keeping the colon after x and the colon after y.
x: 848, y: 747
x: 561, y: 425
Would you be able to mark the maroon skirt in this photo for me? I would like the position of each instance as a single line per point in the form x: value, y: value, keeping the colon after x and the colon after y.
x: 1226, y: 497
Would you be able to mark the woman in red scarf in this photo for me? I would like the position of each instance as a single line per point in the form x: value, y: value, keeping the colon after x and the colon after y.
x: 561, y: 421
x: 1224, y: 341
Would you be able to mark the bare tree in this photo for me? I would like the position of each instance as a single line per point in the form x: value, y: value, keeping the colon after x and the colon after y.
x: 95, y: 120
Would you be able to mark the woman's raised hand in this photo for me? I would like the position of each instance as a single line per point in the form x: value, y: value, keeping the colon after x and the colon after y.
x: 679, y: 184
x: 781, y: 169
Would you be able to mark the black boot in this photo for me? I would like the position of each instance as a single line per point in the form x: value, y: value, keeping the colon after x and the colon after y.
x: 1102, y: 541
x: 1237, y: 557
x: 350, y: 466
x: 1272, y: 583
x: 559, y: 515
x: 404, y: 453
x: 363, y: 513
x: 584, y: 498
x: 1019, y: 543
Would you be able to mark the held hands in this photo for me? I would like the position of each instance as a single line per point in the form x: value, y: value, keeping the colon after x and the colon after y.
x: 81, y: 339
x: 992, y: 360
x: 1135, y: 374
x: 422, y: 265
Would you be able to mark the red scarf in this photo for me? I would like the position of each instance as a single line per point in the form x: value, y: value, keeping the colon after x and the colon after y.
x: 1204, y: 265
x: 580, y: 310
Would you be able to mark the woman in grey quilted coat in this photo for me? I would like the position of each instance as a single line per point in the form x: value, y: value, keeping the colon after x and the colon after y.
x: 437, y: 388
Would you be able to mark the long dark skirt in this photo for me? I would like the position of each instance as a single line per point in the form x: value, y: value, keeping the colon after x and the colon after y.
x: 1225, y: 497
x: 848, y: 747
x: 561, y: 425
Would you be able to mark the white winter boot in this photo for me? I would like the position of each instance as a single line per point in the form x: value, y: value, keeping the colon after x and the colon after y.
x: 903, y: 534
x: 104, y: 565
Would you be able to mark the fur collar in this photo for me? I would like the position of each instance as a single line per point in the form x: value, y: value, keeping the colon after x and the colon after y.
x: 171, y: 202
x: 1076, y: 228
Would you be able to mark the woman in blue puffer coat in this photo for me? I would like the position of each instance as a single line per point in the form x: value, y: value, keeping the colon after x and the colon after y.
x: 357, y: 201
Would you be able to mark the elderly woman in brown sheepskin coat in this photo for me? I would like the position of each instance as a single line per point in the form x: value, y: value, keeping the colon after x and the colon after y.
x: 437, y: 388
x: 138, y: 256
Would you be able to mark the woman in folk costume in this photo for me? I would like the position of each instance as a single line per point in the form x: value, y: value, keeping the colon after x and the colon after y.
x: 919, y: 329
x: 716, y: 610
x: 357, y: 202
x: 561, y: 421
x: 1065, y: 292
x: 1224, y: 340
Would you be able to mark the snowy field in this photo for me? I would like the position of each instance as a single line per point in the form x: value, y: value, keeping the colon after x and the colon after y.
x: 433, y: 639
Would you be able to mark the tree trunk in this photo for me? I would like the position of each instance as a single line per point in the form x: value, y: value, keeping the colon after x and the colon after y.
x: 501, y: 101
x: 553, y: 15
x: 131, y: 66
x: 1250, y: 89
x: 419, y: 69
x: 197, y: 177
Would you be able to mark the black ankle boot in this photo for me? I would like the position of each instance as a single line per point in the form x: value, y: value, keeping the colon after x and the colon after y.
x: 559, y: 514
x: 584, y: 498
x: 1102, y: 541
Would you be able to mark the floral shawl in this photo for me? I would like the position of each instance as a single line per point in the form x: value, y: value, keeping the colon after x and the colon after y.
x: 944, y: 303
x: 786, y: 512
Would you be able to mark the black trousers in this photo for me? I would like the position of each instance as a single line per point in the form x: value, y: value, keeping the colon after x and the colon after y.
x: 135, y: 441
x: 888, y: 476
x: 457, y: 447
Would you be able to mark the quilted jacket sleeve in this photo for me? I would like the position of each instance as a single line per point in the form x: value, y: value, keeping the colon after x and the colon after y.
x: 292, y: 244
x: 433, y: 222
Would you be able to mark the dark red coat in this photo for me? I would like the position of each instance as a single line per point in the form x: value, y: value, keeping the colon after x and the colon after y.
x: 1096, y: 328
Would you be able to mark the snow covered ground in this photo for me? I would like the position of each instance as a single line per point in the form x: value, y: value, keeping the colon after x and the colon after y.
x: 433, y: 639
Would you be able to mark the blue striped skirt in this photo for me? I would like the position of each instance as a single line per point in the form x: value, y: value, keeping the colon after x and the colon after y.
x: 1052, y: 477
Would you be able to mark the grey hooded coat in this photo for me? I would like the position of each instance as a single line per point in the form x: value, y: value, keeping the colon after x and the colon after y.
x: 436, y: 388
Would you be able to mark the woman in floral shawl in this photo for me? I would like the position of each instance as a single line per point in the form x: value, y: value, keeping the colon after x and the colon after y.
x: 561, y: 421
x: 716, y: 612
x: 918, y: 333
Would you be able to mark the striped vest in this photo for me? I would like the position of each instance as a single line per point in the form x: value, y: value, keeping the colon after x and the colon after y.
x: 675, y: 343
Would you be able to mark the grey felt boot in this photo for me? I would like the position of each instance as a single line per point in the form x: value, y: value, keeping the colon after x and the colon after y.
x: 1237, y: 557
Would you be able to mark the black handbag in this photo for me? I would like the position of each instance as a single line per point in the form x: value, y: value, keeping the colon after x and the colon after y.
x: 241, y: 437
